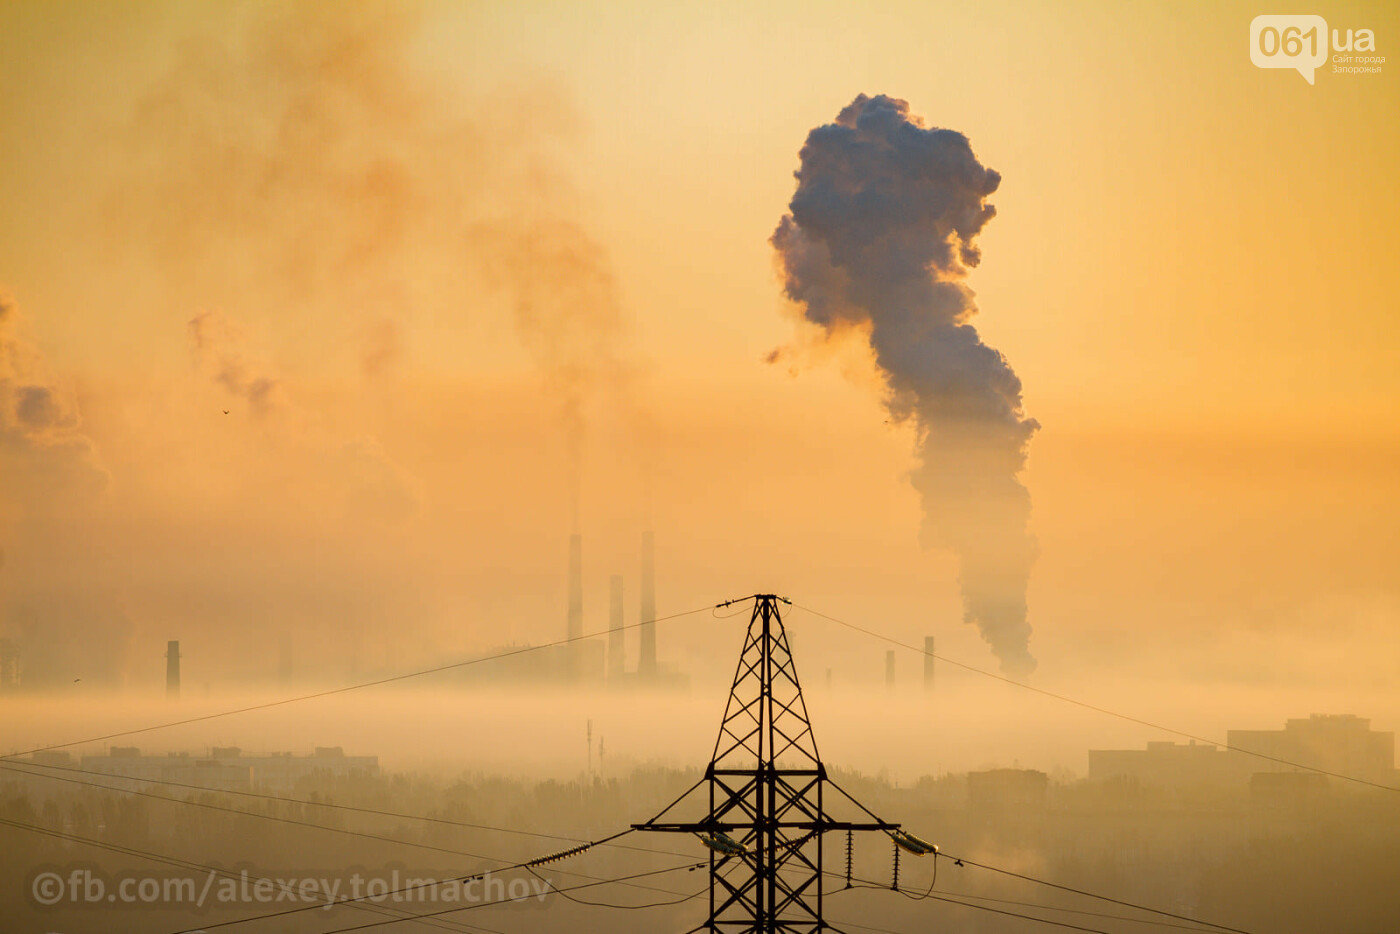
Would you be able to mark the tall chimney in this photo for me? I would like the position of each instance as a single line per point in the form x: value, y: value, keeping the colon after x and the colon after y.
x: 646, y: 659
x: 616, y: 651
x: 285, y: 657
x: 928, y: 663
x: 9, y: 665
x: 889, y: 669
x: 575, y: 630
x: 172, y: 669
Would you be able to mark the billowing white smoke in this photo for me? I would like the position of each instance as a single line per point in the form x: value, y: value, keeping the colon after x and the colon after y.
x: 879, y: 239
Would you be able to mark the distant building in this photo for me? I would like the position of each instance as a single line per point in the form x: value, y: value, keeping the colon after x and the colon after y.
x: 999, y: 788
x: 181, y: 768
x: 571, y: 663
x: 228, y: 769
x: 9, y: 665
x: 52, y: 757
x: 1340, y: 743
x: 1168, y: 764
x: 1288, y: 789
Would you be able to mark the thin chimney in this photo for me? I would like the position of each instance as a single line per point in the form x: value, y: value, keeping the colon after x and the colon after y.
x: 928, y: 663
x: 172, y: 669
x: 646, y: 660
x: 616, y: 651
x: 889, y: 669
x: 575, y: 630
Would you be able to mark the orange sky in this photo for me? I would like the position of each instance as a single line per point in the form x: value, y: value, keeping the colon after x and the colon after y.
x: 1192, y: 270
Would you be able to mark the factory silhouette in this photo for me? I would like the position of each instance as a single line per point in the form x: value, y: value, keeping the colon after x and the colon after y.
x: 591, y: 661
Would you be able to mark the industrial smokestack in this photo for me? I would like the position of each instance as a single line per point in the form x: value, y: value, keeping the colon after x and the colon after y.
x: 646, y: 659
x: 575, y: 628
x: 285, y: 658
x: 616, y: 650
x: 889, y: 669
x: 9, y: 665
x: 172, y: 669
x: 928, y: 663
x: 574, y: 631
x: 880, y: 237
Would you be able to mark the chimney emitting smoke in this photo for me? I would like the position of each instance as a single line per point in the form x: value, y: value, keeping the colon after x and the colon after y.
x: 646, y: 659
x: 880, y: 237
x: 928, y: 663
x: 575, y: 626
x: 616, y: 649
x: 172, y: 669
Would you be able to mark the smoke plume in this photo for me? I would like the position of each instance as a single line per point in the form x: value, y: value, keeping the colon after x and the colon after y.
x: 880, y: 237
x: 44, y: 456
x: 303, y: 159
x: 369, y: 484
x: 566, y: 310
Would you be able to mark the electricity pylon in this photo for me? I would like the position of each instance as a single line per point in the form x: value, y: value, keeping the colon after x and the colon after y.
x: 767, y: 788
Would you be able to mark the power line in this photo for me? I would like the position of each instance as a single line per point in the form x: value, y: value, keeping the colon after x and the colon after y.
x: 998, y: 911
x: 1194, y: 924
x: 580, y: 901
x: 29, y: 764
x: 214, y: 870
x: 1078, y: 911
x: 433, y: 914
x: 300, y: 823
x: 1020, y: 904
x: 606, y: 841
x: 1094, y: 707
x: 946, y: 897
x: 231, y: 810
x: 352, y: 687
x: 586, y: 844
x: 626, y: 880
x: 432, y: 918
x: 357, y: 902
x: 963, y: 861
x: 1116, y: 901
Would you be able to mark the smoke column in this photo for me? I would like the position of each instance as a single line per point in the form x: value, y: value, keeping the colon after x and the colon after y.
x: 878, y: 241
x: 616, y: 656
x: 646, y: 653
x: 46, y: 461
x: 575, y: 621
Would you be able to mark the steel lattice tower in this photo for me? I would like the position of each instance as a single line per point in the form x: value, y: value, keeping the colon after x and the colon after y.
x: 767, y: 793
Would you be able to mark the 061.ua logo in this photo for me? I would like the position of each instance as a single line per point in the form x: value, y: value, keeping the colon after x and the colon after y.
x: 1299, y: 41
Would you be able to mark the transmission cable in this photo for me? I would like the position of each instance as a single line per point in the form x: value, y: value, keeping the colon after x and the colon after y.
x: 581, y: 901
x: 446, y: 911
x: 399, y: 913
x: 1094, y: 707
x: 999, y: 911
x: 353, y: 687
x: 1116, y: 901
x: 341, y: 830
x: 29, y: 764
